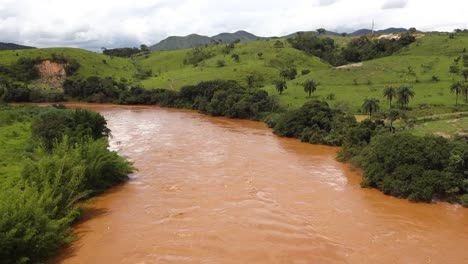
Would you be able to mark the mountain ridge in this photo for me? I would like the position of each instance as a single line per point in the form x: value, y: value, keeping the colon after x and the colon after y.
x: 196, y: 40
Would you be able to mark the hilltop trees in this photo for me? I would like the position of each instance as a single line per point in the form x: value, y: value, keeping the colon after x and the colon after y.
x: 371, y: 105
x: 321, y: 31
x: 389, y: 93
x: 404, y: 94
x: 310, y: 86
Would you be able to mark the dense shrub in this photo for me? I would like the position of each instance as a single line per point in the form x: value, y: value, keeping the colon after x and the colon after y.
x: 315, y: 122
x: 38, y: 208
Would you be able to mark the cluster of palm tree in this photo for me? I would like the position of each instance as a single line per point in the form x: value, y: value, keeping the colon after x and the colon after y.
x: 403, y: 95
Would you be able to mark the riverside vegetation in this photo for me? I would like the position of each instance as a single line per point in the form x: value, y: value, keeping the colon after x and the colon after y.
x: 316, y: 106
x: 51, y: 158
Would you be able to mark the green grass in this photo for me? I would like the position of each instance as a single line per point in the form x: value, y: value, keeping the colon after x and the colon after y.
x: 446, y: 127
x: 91, y: 63
x: 429, y: 56
x: 171, y: 73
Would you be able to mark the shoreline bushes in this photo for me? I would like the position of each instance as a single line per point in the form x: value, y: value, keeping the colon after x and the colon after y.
x: 37, y: 207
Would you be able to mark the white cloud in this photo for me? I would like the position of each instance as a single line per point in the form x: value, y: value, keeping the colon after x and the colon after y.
x: 390, y: 4
x: 111, y: 23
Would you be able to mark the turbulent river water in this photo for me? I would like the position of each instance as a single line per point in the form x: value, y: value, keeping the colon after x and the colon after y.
x: 217, y: 190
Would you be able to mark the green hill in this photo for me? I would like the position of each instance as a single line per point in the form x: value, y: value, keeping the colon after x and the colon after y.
x: 171, y: 72
x: 91, y: 63
x: 345, y: 87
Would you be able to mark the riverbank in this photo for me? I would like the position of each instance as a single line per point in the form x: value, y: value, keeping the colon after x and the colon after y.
x: 202, y: 193
x: 50, y: 159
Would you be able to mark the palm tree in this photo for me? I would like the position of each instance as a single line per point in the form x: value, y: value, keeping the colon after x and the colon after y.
x: 456, y: 88
x: 370, y: 105
x: 404, y: 94
x: 280, y: 86
x: 392, y: 117
x: 465, y: 91
x: 389, y: 93
x: 310, y: 86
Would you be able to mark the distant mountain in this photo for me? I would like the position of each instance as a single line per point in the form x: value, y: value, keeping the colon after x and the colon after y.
x: 194, y: 40
x: 383, y: 31
x: 12, y: 46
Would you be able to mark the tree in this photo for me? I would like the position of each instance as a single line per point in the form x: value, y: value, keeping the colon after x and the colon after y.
x: 235, y: 57
x: 279, y: 44
x: 143, y: 47
x: 389, y: 93
x: 392, y: 117
x: 344, y: 34
x: 281, y: 86
x: 310, y: 86
x: 404, y: 95
x: 465, y: 91
x: 465, y: 74
x: 456, y: 88
x: 321, y: 31
x: 412, y: 30
x: 370, y: 105
x: 260, y: 55
x: 288, y: 73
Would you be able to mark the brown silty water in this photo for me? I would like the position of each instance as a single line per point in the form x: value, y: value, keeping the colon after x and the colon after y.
x: 217, y: 190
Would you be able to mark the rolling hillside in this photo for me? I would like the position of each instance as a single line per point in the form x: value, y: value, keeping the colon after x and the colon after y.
x: 344, y: 87
x: 91, y: 63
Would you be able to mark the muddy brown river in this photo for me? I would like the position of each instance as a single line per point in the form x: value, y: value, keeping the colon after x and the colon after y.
x: 217, y: 190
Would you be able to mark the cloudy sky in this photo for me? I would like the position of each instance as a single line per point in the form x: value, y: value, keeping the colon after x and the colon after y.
x: 92, y: 24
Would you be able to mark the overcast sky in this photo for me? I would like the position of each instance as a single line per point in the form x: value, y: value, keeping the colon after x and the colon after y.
x: 92, y: 24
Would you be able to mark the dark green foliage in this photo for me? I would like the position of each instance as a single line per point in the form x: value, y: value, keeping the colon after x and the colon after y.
x: 16, y: 92
x: 407, y: 166
x: 226, y: 98
x: 324, y: 48
x: 361, y: 49
x: 280, y: 86
x: 235, y: 57
x: 24, y: 70
x: 315, y: 122
x: 278, y: 44
x: 72, y: 67
x: 305, y: 71
x: 121, y: 52
x: 289, y: 73
x: 53, y: 125
x: 255, y: 80
x: 197, y: 55
x: 38, y: 207
x: 364, y: 48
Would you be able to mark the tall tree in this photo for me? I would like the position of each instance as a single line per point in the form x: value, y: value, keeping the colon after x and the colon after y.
x: 310, y: 86
x: 465, y: 91
x: 281, y: 86
x: 370, y: 105
x: 456, y: 88
x: 389, y: 93
x: 321, y: 31
x: 404, y: 94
